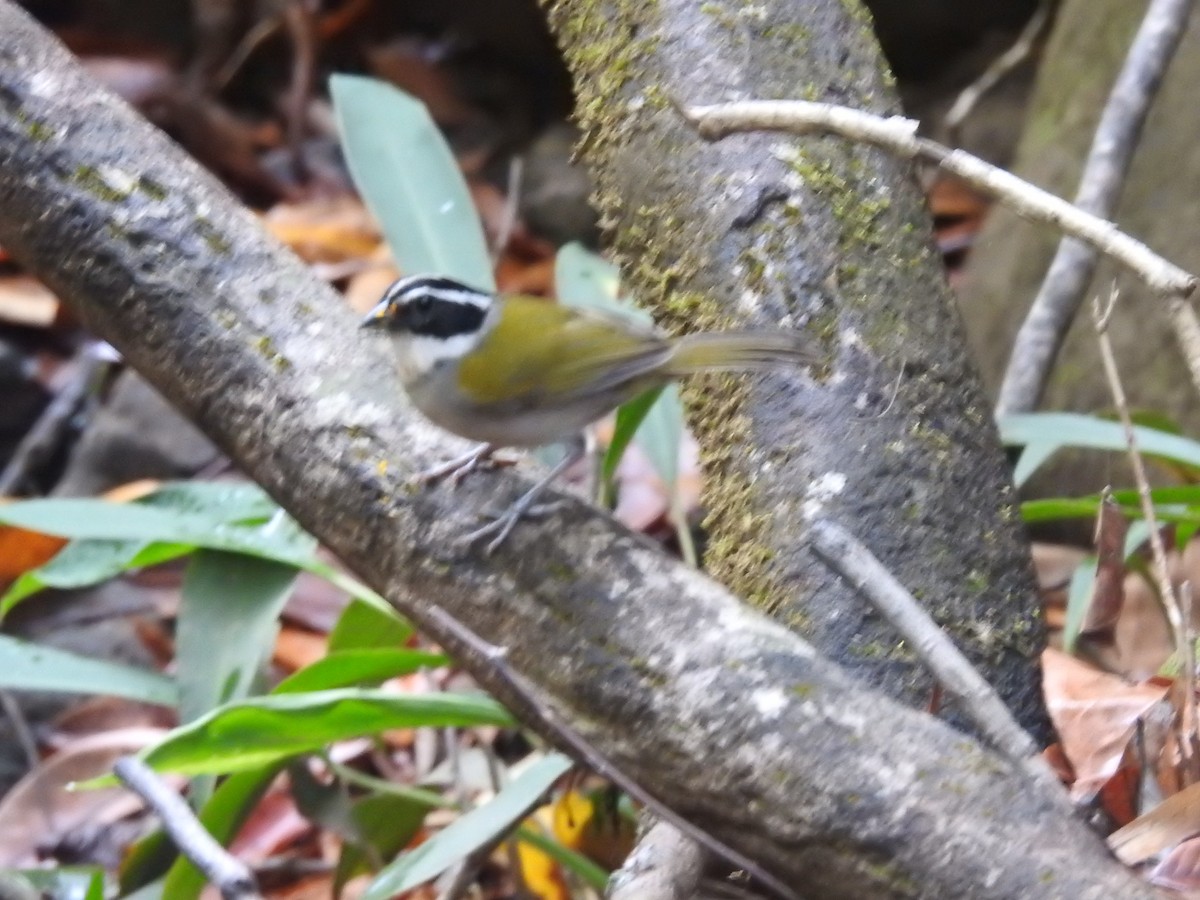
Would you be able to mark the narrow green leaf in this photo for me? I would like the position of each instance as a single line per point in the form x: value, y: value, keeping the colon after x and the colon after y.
x: 67, y: 882
x: 586, y: 280
x: 87, y: 562
x: 226, y: 627
x: 351, y: 668
x: 471, y: 831
x: 410, y: 181
x: 1079, y: 598
x: 1138, y: 534
x: 263, y: 730
x: 34, y: 667
x: 225, y: 501
x: 361, y: 626
x: 385, y: 823
x: 1045, y: 433
x: 629, y: 419
x: 278, y: 539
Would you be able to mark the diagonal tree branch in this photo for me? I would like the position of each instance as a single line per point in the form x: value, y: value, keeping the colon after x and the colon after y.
x: 730, y: 719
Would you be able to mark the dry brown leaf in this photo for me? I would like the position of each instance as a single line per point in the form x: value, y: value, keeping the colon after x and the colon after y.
x: 101, y: 715
x: 325, y: 229
x: 1108, y: 595
x: 26, y: 301
x: 1180, y: 869
x: 274, y: 824
x: 296, y: 648
x: 366, y: 287
x: 22, y: 550
x: 1168, y: 824
x: 40, y: 811
x: 1095, y: 714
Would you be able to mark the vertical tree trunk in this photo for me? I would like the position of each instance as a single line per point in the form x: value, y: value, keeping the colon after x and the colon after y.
x: 893, y: 437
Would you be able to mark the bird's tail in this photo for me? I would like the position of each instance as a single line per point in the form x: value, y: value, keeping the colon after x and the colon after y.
x: 738, y: 351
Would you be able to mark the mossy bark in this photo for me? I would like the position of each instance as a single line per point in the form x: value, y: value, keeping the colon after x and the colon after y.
x: 892, y: 436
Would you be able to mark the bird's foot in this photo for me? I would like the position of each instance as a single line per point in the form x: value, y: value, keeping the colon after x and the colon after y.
x: 460, y: 467
x: 502, y: 525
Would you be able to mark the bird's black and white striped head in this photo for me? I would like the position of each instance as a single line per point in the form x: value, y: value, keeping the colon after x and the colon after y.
x: 439, y: 318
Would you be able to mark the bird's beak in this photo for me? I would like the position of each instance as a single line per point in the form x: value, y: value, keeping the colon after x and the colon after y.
x: 378, y: 316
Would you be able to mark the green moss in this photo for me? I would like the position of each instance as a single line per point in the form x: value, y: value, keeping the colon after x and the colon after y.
x: 266, y: 347
x: 977, y: 581
x: 91, y: 180
x: 891, y: 874
x: 37, y: 130
x: 151, y: 188
x: 212, y: 237
x: 792, y: 33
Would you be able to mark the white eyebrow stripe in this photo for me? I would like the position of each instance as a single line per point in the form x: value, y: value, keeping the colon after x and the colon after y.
x: 408, y: 289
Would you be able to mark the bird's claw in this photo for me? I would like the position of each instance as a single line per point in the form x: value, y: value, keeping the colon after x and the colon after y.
x: 501, y: 526
x: 458, y: 468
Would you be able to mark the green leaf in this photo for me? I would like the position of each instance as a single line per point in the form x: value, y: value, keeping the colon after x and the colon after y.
x: 1079, y: 598
x: 1043, y: 434
x: 385, y: 823
x: 362, y: 626
x: 263, y: 730
x: 33, y: 667
x: 89, y: 561
x: 629, y: 419
x: 65, y: 882
x: 278, y: 539
x: 347, y: 668
x: 224, y: 501
x: 586, y: 280
x: 410, y: 181
x: 226, y: 628
x: 478, y: 828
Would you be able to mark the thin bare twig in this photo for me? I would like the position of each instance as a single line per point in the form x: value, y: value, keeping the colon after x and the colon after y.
x: 541, y: 715
x: 992, y: 75
x: 21, y: 730
x: 224, y: 871
x: 843, y: 553
x: 898, y: 136
x: 512, y: 203
x: 1162, y: 573
x: 1062, y: 292
x: 300, y: 20
x: 91, y: 366
x: 1187, y: 333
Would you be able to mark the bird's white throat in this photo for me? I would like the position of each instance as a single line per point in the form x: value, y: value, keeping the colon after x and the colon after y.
x: 424, y: 352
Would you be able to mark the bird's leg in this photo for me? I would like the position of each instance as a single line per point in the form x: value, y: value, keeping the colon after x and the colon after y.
x: 460, y: 467
x: 526, y: 505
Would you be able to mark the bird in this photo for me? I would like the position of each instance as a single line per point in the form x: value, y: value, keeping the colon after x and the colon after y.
x: 509, y: 370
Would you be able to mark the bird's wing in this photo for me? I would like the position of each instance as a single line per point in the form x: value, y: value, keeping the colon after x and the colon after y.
x: 555, y: 351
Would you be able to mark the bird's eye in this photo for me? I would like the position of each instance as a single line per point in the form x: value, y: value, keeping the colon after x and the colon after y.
x: 423, y: 304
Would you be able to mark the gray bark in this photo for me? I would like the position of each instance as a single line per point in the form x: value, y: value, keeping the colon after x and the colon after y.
x: 727, y: 717
x: 895, y: 437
